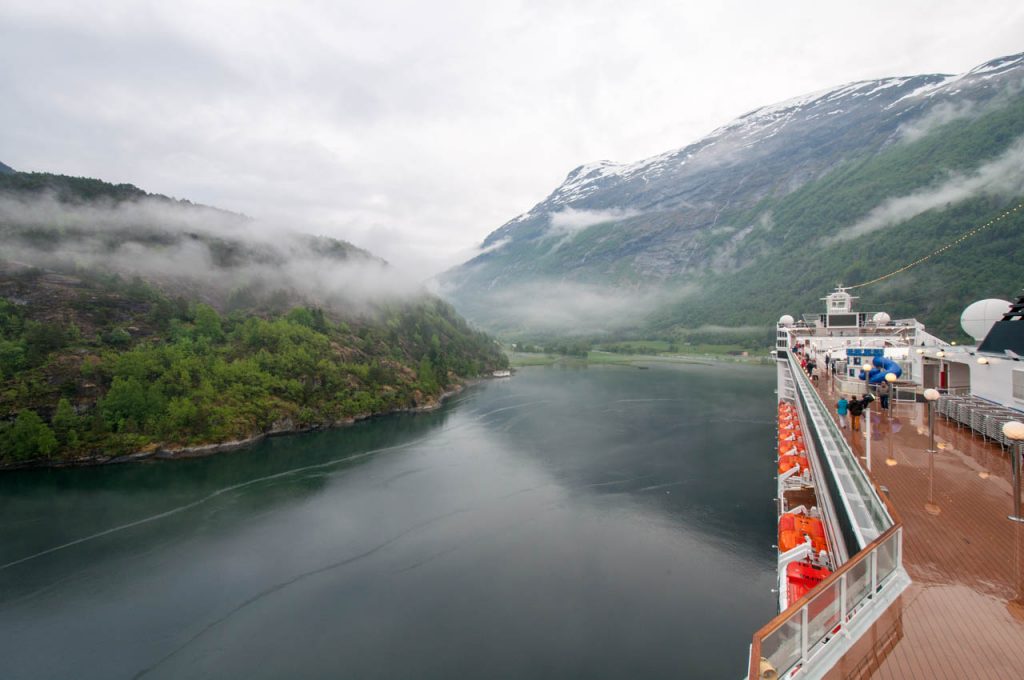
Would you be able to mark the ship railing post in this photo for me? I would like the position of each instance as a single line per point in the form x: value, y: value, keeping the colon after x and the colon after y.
x: 803, y: 635
x: 899, y: 546
x: 873, y: 561
x: 842, y: 600
x: 1014, y: 432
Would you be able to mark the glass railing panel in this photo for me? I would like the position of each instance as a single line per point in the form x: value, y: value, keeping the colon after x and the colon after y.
x: 865, y: 507
x: 858, y: 584
x: 887, y: 557
x: 823, y: 614
x: 781, y: 647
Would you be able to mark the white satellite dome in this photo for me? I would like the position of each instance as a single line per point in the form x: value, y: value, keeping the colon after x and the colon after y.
x: 787, y: 320
x: 979, y: 317
x: 881, y: 318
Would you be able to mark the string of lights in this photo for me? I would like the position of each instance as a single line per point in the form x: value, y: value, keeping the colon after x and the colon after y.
x: 951, y: 244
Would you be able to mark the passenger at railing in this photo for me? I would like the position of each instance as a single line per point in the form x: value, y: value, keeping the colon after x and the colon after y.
x: 856, y: 407
x: 842, y: 408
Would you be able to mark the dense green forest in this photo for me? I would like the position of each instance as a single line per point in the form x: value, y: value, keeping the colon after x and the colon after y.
x: 94, y: 364
x: 152, y: 370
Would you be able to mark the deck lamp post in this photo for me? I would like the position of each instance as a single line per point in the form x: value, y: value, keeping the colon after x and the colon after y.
x: 930, y: 395
x: 931, y: 507
x: 1014, y: 431
x: 867, y: 428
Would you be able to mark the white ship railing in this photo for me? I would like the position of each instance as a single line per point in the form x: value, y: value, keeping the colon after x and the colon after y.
x: 818, y: 629
x: 811, y: 635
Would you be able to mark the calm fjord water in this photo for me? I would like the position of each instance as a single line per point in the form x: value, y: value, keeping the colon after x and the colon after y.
x: 604, y: 522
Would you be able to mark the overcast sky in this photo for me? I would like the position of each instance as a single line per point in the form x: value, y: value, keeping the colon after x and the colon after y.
x: 414, y: 129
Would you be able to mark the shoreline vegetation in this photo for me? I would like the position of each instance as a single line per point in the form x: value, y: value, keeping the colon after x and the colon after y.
x: 213, y: 448
x: 96, y: 368
x: 136, y: 326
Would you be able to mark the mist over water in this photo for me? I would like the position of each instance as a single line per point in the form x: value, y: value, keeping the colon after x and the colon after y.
x: 604, y: 522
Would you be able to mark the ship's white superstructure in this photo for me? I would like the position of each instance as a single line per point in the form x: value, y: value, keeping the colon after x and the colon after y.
x: 840, y: 541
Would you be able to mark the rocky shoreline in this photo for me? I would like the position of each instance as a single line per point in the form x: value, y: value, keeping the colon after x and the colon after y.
x: 201, y: 450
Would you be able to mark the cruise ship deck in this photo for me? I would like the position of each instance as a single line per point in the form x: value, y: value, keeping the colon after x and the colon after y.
x: 963, y: 614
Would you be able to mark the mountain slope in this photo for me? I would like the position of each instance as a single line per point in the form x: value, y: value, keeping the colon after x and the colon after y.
x: 133, y: 322
x: 660, y: 243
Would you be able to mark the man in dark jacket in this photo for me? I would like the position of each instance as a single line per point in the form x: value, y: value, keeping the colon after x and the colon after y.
x: 856, y: 407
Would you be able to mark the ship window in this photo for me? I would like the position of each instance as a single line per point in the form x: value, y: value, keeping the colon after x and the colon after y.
x: 842, y: 320
x: 1018, y: 385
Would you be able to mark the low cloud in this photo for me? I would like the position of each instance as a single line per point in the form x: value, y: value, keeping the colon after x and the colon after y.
x: 1002, y: 176
x: 497, y: 245
x: 563, y: 307
x: 936, y: 117
x: 182, y: 247
x: 570, y: 221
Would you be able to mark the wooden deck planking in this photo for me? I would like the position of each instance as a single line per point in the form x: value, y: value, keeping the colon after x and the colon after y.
x: 965, y: 557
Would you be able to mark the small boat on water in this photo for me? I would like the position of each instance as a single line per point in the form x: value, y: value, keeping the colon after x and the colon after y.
x: 501, y: 374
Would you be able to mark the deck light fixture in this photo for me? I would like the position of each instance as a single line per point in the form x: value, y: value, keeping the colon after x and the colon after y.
x: 983, y: 361
x: 1014, y: 431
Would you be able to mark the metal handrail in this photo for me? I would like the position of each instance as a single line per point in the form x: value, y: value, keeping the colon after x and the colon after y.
x: 838, y: 576
x: 870, y: 551
x: 843, y: 458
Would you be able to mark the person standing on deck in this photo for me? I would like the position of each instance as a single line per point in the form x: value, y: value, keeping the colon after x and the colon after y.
x: 883, y: 394
x: 856, y: 408
x: 842, y: 408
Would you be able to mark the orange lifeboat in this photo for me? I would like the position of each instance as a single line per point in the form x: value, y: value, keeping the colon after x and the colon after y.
x: 790, y: 448
x: 792, y: 460
x: 790, y: 437
x: 793, y: 528
x: 802, y: 577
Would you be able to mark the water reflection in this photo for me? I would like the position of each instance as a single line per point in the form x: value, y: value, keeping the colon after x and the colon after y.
x: 604, y: 522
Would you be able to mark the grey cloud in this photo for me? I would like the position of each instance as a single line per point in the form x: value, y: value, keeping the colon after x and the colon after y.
x: 461, y: 113
x: 1002, y: 176
x: 156, y: 239
x: 570, y: 220
x: 943, y: 113
x: 567, y: 307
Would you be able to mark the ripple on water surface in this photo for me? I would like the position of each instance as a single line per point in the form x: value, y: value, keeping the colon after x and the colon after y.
x: 599, y: 523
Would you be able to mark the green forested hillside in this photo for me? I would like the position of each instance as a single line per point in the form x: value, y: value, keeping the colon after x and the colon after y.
x: 766, y: 214
x: 106, y: 368
x: 798, y: 259
x: 95, y: 364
